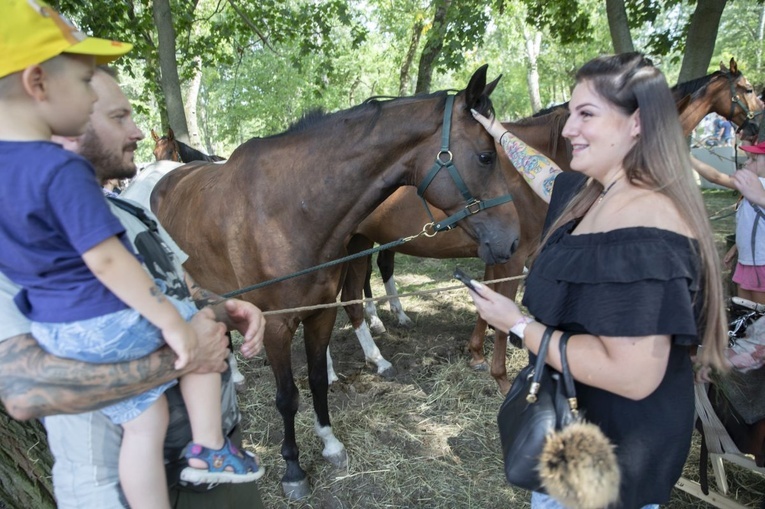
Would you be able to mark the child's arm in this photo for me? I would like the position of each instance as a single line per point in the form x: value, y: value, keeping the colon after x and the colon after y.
x: 712, y: 174
x: 121, y: 273
x: 728, y: 258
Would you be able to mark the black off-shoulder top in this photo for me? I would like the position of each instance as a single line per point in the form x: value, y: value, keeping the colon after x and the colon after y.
x: 629, y: 282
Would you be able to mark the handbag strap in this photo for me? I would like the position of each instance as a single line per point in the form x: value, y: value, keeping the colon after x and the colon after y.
x: 568, y: 379
x: 539, y: 367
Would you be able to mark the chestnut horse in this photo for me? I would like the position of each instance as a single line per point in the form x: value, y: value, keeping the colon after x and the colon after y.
x: 289, y: 202
x: 726, y: 92
x: 167, y: 148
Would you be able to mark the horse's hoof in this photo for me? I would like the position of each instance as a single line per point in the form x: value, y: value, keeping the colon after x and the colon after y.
x: 240, y: 387
x: 481, y: 366
x: 376, y: 326
x: 388, y: 372
x: 405, y: 322
x: 297, y: 490
x: 338, y: 460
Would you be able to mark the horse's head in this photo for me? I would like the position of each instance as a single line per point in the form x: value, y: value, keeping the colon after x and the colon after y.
x: 726, y: 92
x: 166, y: 147
x: 469, y: 154
x: 736, y: 99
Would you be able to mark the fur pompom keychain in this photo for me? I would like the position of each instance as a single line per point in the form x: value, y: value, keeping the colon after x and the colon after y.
x: 578, y: 467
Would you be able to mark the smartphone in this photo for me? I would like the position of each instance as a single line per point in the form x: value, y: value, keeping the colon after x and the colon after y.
x: 464, y: 278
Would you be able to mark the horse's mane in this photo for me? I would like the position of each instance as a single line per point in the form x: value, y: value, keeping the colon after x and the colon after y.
x: 553, y: 116
x: 695, y: 86
x: 318, y: 116
x: 188, y: 154
x: 551, y: 109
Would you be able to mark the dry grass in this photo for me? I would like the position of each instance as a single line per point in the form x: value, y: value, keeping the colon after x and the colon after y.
x: 427, y: 437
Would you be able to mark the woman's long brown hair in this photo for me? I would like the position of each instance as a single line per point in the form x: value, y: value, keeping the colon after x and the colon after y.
x: 659, y: 161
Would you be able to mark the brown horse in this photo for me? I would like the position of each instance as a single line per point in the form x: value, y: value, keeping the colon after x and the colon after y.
x: 726, y: 92
x: 291, y: 201
x: 167, y: 148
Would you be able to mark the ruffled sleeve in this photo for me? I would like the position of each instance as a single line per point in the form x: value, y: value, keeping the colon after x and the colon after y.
x: 626, y: 282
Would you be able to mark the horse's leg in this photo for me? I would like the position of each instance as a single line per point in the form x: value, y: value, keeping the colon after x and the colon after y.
x: 386, y: 263
x: 278, y: 341
x: 331, y: 375
x: 317, y: 330
x: 475, y: 343
x: 370, y: 309
x: 509, y: 289
x: 352, y: 289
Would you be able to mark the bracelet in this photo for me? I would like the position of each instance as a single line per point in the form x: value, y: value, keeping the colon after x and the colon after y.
x: 503, y: 135
x: 519, y: 327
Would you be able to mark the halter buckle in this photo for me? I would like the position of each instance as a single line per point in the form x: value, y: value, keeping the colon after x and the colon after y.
x: 474, y: 207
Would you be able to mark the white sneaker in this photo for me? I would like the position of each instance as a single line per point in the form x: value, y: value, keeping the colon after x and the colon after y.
x: 236, y: 376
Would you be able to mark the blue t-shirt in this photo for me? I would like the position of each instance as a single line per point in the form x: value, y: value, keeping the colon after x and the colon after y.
x: 52, y: 211
x: 721, y: 123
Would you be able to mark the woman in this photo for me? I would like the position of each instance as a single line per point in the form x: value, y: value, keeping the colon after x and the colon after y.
x: 629, y: 266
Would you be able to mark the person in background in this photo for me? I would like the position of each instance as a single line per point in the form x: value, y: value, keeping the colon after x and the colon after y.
x: 628, y: 266
x: 111, y: 187
x: 723, y: 131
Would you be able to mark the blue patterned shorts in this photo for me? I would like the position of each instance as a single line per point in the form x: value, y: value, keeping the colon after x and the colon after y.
x: 116, y: 337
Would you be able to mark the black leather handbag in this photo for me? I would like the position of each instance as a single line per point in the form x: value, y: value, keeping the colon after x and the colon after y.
x: 547, y: 446
x: 537, y: 404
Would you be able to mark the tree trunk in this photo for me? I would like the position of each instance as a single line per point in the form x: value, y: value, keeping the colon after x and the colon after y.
x: 618, y: 26
x: 192, y: 103
x: 760, y: 36
x: 406, y: 66
x: 700, y: 44
x: 171, y: 85
x: 433, y: 46
x: 533, y: 44
x: 25, y: 465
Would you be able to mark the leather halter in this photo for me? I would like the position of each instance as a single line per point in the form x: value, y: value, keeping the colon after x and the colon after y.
x: 444, y: 159
x: 735, y: 100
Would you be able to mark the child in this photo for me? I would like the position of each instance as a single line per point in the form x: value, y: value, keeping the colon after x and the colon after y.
x: 749, y: 274
x: 60, y: 242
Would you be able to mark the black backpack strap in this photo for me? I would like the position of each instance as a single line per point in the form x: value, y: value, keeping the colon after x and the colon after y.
x: 156, y: 254
x: 755, y: 225
x: 136, y: 211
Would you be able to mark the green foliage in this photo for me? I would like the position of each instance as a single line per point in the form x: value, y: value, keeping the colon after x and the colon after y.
x: 566, y: 20
x: 266, y: 63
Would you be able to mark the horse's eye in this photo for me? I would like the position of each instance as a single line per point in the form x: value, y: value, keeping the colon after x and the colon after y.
x: 486, y: 158
x: 749, y: 91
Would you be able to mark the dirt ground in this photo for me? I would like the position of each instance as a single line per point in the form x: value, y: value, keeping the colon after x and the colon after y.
x: 427, y: 436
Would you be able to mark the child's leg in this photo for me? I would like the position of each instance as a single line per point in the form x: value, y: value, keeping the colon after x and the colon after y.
x: 201, y: 393
x: 142, y: 467
x: 211, y: 457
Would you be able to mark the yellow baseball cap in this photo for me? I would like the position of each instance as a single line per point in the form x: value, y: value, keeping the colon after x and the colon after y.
x: 31, y: 32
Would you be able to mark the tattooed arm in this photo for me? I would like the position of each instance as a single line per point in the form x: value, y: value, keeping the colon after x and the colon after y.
x: 237, y: 314
x: 535, y: 168
x: 34, y: 383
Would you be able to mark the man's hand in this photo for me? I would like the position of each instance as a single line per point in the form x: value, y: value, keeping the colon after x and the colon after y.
x: 246, y: 318
x: 212, y: 347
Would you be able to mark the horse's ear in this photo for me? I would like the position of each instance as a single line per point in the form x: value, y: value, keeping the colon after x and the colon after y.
x: 154, y: 136
x: 733, y: 66
x: 722, y: 66
x: 170, y: 133
x: 491, y: 86
x: 476, y: 87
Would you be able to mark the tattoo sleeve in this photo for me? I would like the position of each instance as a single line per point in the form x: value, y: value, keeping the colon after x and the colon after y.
x: 203, y: 298
x: 536, y: 168
x: 34, y: 383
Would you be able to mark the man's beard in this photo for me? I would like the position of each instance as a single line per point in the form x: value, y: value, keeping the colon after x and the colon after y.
x: 107, y: 165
